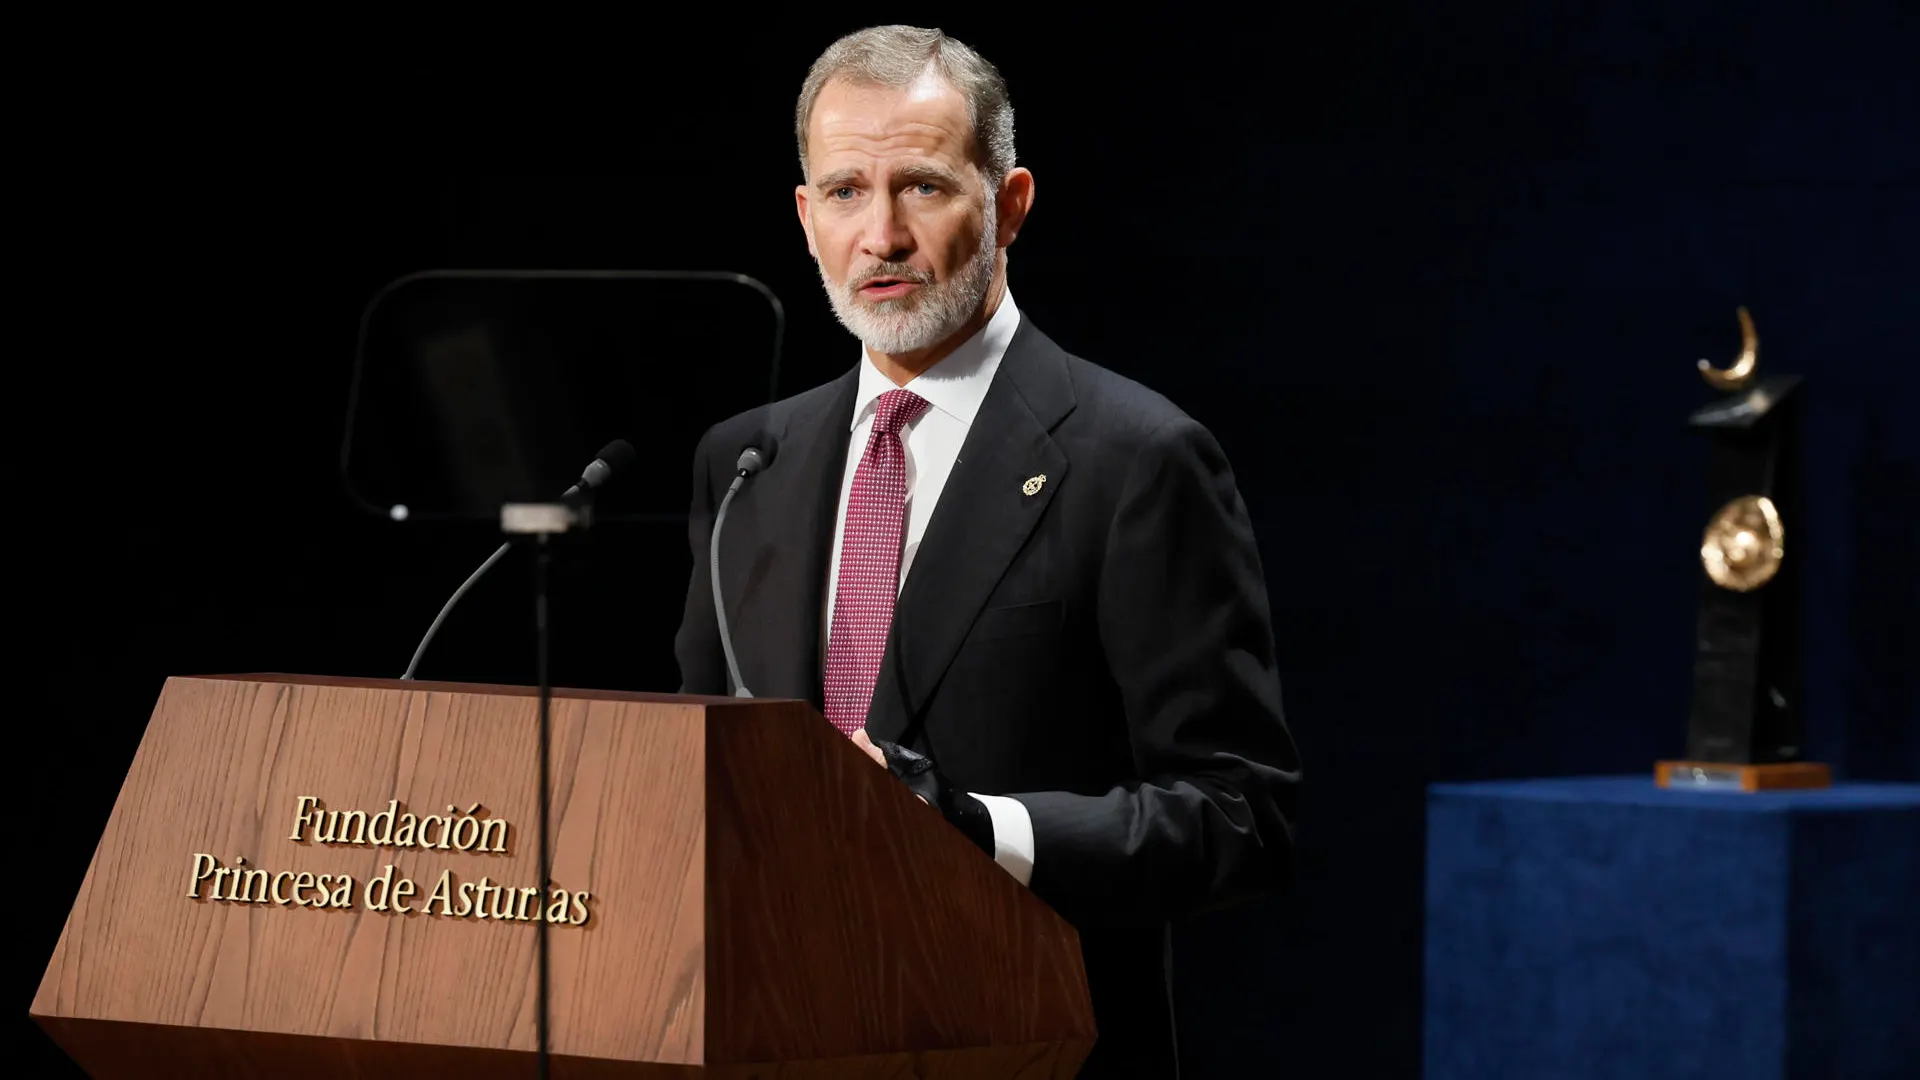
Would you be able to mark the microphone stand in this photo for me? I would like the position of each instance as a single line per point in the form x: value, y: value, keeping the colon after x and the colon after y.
x: 541, y: 521
x: 543, y: 558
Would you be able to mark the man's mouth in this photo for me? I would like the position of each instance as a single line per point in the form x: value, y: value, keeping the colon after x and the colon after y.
x: 887, y: 288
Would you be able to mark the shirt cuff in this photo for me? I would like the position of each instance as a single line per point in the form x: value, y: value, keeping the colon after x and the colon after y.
x: 1012, y: 835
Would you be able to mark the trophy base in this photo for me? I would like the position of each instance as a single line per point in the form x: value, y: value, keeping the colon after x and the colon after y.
x: 1723, y: 776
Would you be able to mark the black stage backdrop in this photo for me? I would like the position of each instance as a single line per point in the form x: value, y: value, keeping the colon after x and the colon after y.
x: 1437, y: 277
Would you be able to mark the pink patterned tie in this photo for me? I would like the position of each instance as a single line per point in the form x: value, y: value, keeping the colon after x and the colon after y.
x: 869, y: 578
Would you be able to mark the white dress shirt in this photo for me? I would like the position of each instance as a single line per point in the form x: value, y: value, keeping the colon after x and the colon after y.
x: 953, y: 390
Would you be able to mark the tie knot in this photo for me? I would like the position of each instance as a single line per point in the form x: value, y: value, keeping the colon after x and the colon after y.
x: 896, y: 409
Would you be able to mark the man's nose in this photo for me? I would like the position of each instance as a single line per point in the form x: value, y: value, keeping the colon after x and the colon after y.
x: 885, y: 236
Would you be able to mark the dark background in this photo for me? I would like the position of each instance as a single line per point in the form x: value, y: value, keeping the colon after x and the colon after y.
x: 1436, y: 276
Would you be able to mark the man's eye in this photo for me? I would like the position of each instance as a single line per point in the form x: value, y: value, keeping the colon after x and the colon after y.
x: 925, y: 188
x: 842, y: 193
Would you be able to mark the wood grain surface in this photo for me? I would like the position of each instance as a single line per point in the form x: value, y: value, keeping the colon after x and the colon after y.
x: 846, y: 917
x: 765, y: 901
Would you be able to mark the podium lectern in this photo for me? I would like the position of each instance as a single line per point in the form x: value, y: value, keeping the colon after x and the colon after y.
x: 339, y: 877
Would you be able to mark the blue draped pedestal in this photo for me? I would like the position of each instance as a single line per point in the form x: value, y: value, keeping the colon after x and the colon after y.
x: 1604, y: 927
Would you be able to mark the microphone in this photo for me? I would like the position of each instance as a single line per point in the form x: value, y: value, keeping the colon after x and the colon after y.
x: 753, y: 461
x: 612, y: 458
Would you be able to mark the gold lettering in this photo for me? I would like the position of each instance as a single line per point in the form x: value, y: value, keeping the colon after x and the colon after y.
x: 301, y: 818
x: 386, y: 891
x: 380, y: 828
x: 442, y: 894
x: 203, y: 867
x: 499, y: 843
x: 466, y: 831
x: 357, y: 819
x: 389, y: 891
x: 254, y: 889
x: 233, y: 879
x: 503, y: 899
x: 378, y: 889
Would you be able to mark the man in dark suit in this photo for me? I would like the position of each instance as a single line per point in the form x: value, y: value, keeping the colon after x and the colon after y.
x: 1025, y: 583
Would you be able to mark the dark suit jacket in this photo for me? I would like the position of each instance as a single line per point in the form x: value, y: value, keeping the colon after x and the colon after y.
x: 1100, y: 650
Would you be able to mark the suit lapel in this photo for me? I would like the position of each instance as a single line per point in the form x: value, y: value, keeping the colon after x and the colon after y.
x: 782, y: 575
x: 992, y: 500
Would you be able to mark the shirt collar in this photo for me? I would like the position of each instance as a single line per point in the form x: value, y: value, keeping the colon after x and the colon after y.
x: 958, y: 383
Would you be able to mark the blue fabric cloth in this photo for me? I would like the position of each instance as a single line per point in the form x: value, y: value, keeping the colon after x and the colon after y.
x: 1605, y: 927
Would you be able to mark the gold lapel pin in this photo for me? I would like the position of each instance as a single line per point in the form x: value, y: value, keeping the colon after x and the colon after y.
x: 1034, y: 484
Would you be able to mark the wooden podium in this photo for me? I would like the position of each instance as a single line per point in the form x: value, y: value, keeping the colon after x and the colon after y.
x: 738, y: 892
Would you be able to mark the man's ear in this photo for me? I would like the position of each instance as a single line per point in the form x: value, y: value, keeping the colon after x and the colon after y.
x: 1015, y: 202
x: 806, y: 223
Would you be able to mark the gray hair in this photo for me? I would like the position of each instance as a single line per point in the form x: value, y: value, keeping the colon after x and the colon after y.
x: 895, y: 56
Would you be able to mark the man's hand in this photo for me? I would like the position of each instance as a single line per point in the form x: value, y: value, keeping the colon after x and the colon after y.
x: 860, y: 740
x: 961, y: 810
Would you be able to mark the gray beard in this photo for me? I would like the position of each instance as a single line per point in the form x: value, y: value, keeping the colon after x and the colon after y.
x: 928, y: 316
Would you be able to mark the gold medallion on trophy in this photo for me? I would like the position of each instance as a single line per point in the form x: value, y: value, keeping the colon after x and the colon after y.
x: 1744, y: 544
